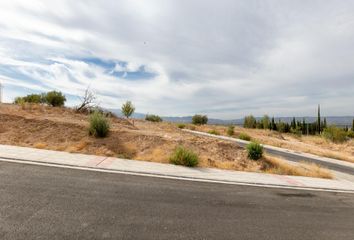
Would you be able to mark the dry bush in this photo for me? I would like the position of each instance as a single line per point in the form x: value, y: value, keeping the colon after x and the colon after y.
x: 184, y: 156
x: 40, y: 145
x: 279, y: 166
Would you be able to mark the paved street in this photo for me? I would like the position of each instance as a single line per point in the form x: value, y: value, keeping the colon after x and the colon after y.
x: 294, y: 156
x: 39, y: 202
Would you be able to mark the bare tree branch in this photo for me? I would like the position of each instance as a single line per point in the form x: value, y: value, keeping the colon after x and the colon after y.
x: 88, y: 101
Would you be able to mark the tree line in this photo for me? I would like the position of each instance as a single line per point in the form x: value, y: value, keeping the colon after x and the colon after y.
x: 295, y: 126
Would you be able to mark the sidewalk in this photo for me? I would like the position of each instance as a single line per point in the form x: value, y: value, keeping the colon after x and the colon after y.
x: 100, y: 163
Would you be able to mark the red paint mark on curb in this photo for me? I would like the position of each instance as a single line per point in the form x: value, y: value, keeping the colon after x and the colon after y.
x: 106, y: 163
x: 290, y: 181
x: 96, y: 161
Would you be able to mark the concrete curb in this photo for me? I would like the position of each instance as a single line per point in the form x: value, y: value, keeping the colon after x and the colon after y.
x: 142, y: 168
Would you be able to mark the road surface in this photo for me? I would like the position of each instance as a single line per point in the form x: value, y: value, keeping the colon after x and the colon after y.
x: 39, y: 202
x: 288, y: 155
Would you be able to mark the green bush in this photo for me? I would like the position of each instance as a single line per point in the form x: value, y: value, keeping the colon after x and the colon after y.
x: 34, y: 98
x: 30, y: 98
x: 244, y: 136
x: 254, y: 150
x: 199, y: 119
x: 181, y: 125
x: 99, y: 125
x: 54, y: 98
x: 351, y: 134
x: 153, y: 118
x: 19, y: 100
x: 213, y: 131
x: 335, y: 134
x: 230, y: 130
x: 185, y: 157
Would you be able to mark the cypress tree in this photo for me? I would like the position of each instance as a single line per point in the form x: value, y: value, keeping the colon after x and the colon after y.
x: 274, y: 127
x: 293, y: 123
x: 319, y: 119
x: 324, y: 123
x: 303, y: 128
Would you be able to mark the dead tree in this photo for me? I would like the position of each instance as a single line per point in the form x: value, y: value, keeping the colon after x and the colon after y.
x: 88, y: 101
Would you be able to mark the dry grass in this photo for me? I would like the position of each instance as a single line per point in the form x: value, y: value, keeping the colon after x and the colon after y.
x: 310, y: 144
x: 40, y: 145
x: 279, y: 166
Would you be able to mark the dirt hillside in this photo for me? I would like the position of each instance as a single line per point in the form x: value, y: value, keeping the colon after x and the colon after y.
x: 64, y: 130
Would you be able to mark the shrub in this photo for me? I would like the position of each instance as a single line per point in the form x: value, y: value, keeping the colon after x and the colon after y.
x: 244, y: 136
x: 128, y: 109
x: 185, y: 157
x: 34, y: 98
x: 351, y: 134
x: 199, y: 119
x: 250, y: 122
x: 19, y: 100
x: 335, y: 134
x: 99, y: 125
x: 230, y: 130
x: 181, y: 125
x: 254, y: 150
x: 213, y: 131
x: 54, y: 98
x: 30, y: 98
x: 297, y: 131
x: 153, y: 118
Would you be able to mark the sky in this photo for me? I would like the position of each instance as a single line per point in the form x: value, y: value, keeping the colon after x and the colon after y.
x: 226, y: 59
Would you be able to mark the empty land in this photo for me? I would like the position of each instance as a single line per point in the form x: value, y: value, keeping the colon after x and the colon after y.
x: 63, y: 129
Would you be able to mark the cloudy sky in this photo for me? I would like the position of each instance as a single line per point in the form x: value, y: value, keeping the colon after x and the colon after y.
x: 180, y: 57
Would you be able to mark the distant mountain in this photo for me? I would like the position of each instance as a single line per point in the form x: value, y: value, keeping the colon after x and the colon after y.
x: 337, y: 120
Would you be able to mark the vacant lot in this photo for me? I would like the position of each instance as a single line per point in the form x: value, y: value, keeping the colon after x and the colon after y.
x: 64, y: 130
x: 309, y: 144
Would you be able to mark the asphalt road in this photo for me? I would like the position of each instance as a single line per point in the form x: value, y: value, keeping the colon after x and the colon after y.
x: 286, y: 155
x: 38, y: 202
x: 295, y: 158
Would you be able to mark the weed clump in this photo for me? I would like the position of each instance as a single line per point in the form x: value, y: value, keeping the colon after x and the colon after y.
x: 214, y: 132
x: 254, y: 150
x: 244, y: 136
x: 181, y: 126
x: 99, y: 125
x: 185, y: 157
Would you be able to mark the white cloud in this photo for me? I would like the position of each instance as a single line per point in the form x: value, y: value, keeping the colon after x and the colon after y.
x: 228, y: 60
